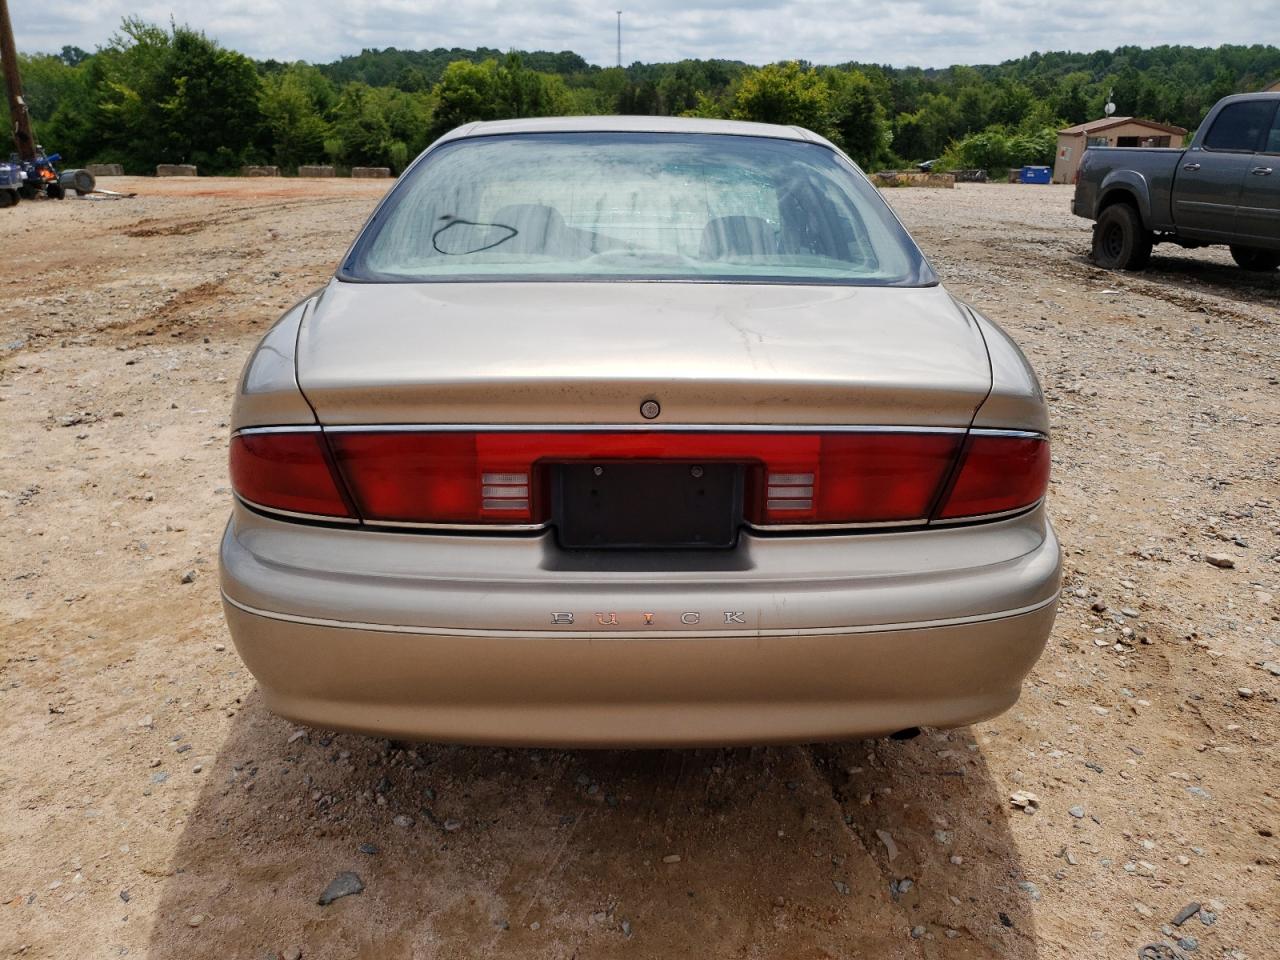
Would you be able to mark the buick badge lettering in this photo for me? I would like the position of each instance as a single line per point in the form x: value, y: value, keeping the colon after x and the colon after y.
x: 637, y: 618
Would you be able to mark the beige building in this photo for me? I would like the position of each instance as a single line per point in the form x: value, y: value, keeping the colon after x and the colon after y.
x: 1274, y: 88
x: 1109, y: 132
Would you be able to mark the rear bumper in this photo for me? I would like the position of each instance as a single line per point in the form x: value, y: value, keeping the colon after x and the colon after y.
x: 452, y: 638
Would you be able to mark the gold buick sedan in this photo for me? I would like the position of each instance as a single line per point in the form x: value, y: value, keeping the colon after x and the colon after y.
x: 637, y: 431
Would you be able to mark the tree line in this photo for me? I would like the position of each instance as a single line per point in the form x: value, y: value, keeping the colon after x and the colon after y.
x: 173, y: 95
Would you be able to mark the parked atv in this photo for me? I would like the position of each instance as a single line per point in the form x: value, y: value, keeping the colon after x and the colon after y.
x: 42, y: 177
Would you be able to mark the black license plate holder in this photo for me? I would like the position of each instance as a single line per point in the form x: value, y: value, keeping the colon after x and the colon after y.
x: 667, y: 504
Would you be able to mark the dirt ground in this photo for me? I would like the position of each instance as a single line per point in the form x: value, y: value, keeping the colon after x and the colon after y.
x: 150, y: 806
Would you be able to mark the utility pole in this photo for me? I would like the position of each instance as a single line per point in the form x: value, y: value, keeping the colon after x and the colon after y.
x: 619, y: 35
x: 23, y: 139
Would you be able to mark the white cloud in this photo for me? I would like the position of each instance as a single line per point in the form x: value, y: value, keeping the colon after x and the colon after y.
x: 913, y: 32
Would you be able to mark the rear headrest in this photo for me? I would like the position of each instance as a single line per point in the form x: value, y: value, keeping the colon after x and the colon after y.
x: 738, y: 236
x: 539, y: 228
x: 533, y: 217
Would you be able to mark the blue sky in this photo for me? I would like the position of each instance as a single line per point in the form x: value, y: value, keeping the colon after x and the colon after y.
x: 937, y: 33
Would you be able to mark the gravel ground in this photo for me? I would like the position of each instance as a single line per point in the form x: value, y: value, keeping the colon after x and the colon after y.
x: 150, y: 806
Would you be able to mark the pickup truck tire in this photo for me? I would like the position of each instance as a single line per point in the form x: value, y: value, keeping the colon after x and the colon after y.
x: 1251, y: 258
x: 1120, y: 241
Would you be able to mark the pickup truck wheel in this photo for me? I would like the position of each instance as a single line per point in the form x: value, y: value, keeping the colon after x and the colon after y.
x: 1120, y: 242
x: 1251, y: 258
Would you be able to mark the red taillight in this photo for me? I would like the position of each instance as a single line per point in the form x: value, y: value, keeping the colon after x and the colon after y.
x: 999, y: 474
x: 879, y: 477
x: 499, y: 477
x: 455, y: 477
x: 858, y: 477
x: 286, y: 471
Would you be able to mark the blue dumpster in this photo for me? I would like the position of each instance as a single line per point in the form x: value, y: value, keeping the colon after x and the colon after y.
x: 1036, y: 174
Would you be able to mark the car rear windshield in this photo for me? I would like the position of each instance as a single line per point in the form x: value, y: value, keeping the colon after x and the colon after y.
x: 629, y: 206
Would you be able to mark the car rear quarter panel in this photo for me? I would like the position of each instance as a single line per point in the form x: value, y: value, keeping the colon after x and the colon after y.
x: 1016, y: 401
x: 268, y: 393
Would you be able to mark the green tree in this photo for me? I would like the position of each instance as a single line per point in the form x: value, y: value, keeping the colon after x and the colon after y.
x: 72, y: 56
x: 172, y: 97
x: 494, y: 90
x: 858, y: 117
x: 466, y: 92
x: 294, y: 105
x: 154, y: 94
x: 380, y: 126
x: 210, y: 102
x: 786, y: 93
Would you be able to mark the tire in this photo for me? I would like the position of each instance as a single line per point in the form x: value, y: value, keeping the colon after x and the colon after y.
x: 54, y: 191
x: 1120, y: 241
x: 8, y: 198
x: 1251, y: 258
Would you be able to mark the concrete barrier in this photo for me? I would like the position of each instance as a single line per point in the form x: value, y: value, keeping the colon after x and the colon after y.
x: 176, y: 170
x: 912, y: 178
x: 105, y: 169
x: 970, y: 176
x: 316, y: 171
x: 259, y: 171
x: 371, y: 173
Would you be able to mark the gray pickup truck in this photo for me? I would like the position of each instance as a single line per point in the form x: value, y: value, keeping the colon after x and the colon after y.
x: 1223, y: 189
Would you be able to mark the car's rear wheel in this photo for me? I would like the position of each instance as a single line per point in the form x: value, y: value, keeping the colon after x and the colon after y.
x: 1251, y: 258
x: 1120, y: 242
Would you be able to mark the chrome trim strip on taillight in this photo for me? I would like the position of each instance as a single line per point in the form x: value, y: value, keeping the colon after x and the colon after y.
x: 492, y: 527
x: 637, y: 428
x: 978, y: 518
x: 633, y: 428
x: 300, y: 428
x: 1015, y: 434
x: 831, y: 527
x: 321, y: 517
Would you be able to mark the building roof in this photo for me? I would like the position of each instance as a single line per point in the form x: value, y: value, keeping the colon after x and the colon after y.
x: 597, y: 124
x: 1094, y: 126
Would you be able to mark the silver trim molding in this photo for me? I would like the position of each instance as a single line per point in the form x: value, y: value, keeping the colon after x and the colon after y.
x: 702, y: 633
x: 634, y: 428
x: 276, y: 511
x: 299, y: 428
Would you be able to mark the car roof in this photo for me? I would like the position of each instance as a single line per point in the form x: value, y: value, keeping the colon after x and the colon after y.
x: 640, y: 124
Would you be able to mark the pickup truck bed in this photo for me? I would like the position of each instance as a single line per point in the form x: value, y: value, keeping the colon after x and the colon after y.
x: 1223, y: 189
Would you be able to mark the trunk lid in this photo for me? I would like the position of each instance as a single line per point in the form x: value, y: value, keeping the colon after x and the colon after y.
x: 591, y: 353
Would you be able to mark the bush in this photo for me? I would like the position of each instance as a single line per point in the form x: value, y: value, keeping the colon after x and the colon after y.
x: 996, y: 150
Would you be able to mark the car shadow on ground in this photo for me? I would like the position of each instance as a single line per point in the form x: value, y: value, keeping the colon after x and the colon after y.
x: 877, y: 849
x: 1191, y: 271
